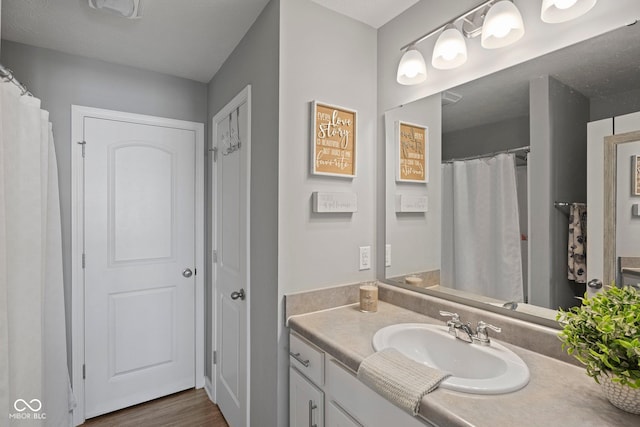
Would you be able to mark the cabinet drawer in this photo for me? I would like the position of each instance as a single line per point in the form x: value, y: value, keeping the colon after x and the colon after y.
x: 307, y: 359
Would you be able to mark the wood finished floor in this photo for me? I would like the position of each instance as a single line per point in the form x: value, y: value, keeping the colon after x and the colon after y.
x: 188, y: 408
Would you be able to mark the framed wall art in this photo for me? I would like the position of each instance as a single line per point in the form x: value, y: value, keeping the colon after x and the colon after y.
x: 412, y: 147
x: 635, y: 166
x: 334, y: 140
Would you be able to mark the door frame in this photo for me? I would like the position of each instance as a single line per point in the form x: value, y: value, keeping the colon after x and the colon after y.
x: 78, y: 114
x: 243, y: 96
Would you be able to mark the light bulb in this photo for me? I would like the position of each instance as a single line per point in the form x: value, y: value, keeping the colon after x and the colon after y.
x: 557, y: 11
x: 565, y: 4
x: 450, y: 50
x: 502, y: 26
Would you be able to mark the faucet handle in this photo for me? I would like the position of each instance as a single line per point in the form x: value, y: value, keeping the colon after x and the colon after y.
x: 482, y: 336
x: 454, y: 316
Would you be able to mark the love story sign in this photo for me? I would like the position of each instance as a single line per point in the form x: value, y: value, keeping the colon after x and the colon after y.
x: 333, y: 136
x: 412, y: 152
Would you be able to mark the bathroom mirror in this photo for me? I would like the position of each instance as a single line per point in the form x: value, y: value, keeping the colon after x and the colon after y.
x: 538, y: 112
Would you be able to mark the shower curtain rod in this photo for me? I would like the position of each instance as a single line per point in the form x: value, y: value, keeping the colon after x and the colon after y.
x: 495, y: 153
x: 7, y: 75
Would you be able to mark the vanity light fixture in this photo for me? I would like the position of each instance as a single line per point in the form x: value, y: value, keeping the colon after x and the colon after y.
x: 412, y: 69
x: 498, y: 22
x: 127, y: 8
x: 556, y: 11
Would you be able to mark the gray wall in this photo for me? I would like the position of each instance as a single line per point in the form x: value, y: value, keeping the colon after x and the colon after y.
x: 60, y: 80
x: 487, y: 138
x: 328, y: 57
x: 557, y: 161
x: 255, y: 61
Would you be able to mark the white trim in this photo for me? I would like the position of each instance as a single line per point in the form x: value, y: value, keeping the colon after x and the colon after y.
x: 78, y: 114
x: 239, y: 99
x: 209, y: 389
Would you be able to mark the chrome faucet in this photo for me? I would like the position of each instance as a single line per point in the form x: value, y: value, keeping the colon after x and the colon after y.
x: 460, y: 330
x: 463, y: 331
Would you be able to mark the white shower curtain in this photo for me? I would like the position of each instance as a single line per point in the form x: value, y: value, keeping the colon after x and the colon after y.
x: 480, y: 228
x: 34, y: 380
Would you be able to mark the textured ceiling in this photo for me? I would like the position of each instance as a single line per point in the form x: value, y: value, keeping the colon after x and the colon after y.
x: 602, y: 66
x: 185, y: 38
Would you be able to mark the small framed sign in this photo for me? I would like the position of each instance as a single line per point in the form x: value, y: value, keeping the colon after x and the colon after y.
x: 412, y: 153
x: 334, y: 140
x: 635, y: 165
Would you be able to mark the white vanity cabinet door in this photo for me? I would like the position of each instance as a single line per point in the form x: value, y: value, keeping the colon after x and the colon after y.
x: 306, y: 402
x: 336, y: 417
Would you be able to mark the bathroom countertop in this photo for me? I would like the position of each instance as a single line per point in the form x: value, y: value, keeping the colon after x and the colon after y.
x: 557, y: 394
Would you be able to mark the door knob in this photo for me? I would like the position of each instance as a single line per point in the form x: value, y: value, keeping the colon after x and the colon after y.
x: 187, y: 273
x: 595, y: 284
x: 239, y: 294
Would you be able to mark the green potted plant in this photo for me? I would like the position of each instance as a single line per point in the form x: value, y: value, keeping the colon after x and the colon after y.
x: 604, y: 334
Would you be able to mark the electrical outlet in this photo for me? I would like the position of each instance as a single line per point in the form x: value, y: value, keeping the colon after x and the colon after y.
x: 387, y: 255
x: 365, y: 257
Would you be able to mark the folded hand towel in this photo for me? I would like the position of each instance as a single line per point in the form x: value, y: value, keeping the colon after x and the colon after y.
x: 578, y: 243
x: 400, y: 379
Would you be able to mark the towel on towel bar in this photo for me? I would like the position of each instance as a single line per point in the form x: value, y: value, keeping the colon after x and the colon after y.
x: 577, y: 243
x: 400, y: 379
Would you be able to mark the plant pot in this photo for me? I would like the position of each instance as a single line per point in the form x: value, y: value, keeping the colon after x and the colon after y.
x: 621, y: 396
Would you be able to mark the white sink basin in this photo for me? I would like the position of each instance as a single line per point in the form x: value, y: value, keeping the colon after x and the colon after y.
x: 474, y: 368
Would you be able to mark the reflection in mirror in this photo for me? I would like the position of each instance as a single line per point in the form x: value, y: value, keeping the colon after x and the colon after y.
x: 506, y: 218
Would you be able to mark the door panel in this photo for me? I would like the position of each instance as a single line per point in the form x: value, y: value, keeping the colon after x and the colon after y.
x: 142, y: 217
x: 231, y: 127
x: 139, y: 237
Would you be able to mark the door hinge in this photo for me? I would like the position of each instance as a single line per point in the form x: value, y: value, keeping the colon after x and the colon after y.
x: 214, y: 150
x: 214, y: 255
x: 84, y: 372
x: 84, y: 144
x: 84, y: 260
x: 215, y: 357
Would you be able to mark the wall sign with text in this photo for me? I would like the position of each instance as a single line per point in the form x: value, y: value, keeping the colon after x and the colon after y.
x: 635, y: 164
x: 413, y: 149
x: 334, y: 140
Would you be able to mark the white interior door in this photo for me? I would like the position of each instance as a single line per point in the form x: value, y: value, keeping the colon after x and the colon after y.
x: 231, y: 131
x: 140, y: 262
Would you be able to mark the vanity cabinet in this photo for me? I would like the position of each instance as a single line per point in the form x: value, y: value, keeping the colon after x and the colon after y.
x: 306, y: 402
x: 322, y: 389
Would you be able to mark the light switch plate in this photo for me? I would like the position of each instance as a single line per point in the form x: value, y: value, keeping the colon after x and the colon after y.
x: 365, y: 257
x: 635, y: 211
x: 387, y: 255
